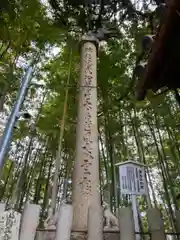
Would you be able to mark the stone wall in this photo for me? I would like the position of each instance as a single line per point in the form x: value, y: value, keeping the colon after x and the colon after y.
x: 50, y: 235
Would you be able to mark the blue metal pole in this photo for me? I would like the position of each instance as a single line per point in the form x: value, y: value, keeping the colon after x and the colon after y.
x: 7, y: 135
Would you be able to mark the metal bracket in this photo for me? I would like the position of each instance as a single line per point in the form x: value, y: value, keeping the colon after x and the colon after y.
x: 103, y: 34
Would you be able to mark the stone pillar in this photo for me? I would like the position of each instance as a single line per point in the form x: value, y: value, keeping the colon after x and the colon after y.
x: 40, y: 235
x: 64, y: 224
x: 2, y: 220
x: 156, y: 225
x: 30, y: 221
x: 95, y: 224
x: 86, y: 170
x: 2, y: 208
x: 126, y: 223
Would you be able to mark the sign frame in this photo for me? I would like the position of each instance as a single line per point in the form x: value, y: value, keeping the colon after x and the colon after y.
x: 132, y: 178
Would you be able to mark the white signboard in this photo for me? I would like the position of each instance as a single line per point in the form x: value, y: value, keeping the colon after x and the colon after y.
x: 132, y: 179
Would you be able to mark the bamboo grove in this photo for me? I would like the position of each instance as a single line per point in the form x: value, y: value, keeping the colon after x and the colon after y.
x: 147, y: 131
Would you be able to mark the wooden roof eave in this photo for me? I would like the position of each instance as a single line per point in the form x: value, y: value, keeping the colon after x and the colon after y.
x: 155, y: 61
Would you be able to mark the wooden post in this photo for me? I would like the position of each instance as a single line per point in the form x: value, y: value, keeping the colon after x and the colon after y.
x: 126, y: 222
x: 30, y: 221
x: 86, y: 182
x: 95, y: 223
x: 64, y: 224
x: 156, y: 225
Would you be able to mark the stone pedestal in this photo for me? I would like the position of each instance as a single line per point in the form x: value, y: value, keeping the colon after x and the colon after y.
x: 45, y: 235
